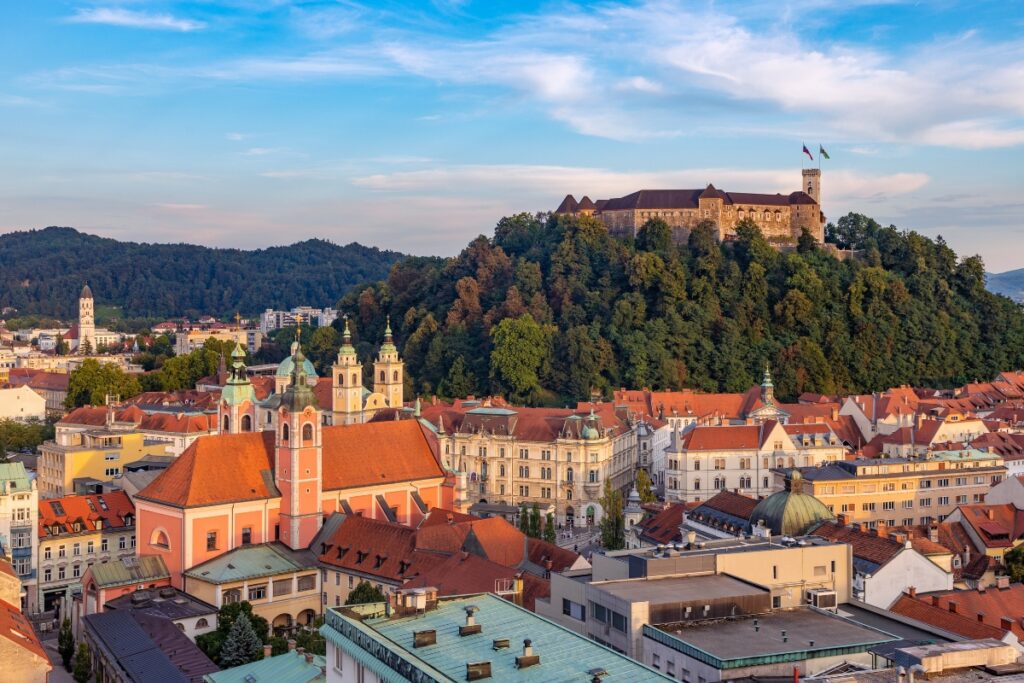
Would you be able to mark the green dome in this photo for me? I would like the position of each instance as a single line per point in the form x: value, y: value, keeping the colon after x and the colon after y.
x: 287, y: 366
x: 791, y: 512
x: 591, y: 433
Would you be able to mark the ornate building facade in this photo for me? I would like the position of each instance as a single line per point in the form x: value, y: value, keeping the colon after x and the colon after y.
x: 782, y: 218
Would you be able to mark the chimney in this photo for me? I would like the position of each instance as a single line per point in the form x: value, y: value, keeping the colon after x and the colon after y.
x: 843, y: 519
x: 291, y: 644
x: 268, y: 650
x: 309, y: 658
x: 990, y: 513
x: 528, y: 658
x: 1005, y: 623
x: 933, y: 533
x: 470, y: 626
x: 912, y: 591
x: 1002, y: 582
x: 952, y: 606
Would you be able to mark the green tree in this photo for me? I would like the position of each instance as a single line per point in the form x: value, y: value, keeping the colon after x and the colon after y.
x: 521, y: 349
x: 549, y: 528
x: 242, y: 645
x: 613, y: 525
x: 82, y: 671
x: 524, y: 519
x: 310, y: 640
x: 533, y: 530
x: 66, y: 643
x: 459, y: 382
x: 644, y: 487
x: 363, y: 593
x: 212, y: 643
x: 91, y: 383
x: 18, y: 436
x: 1013, y: 562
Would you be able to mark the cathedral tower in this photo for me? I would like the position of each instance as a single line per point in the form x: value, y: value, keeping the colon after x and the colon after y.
x: 298, y: 459
x: 86, y: 322
x: 388, y: 371
x: 237, y: 399
x: 347, y: 387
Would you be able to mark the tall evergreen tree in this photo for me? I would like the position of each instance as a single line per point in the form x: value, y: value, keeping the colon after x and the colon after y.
x: 66, y: 643
x: 549, y: 528
x: 82, y: 670
x: 242, y: 645
x: 613, y: 524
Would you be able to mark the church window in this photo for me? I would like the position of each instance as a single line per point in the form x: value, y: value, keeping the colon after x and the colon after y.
x: 284, y: 432
x: 383, y: 376
x: 160, y: 540
x: 246, y: 423
x: 355, y: 378
x: 307, y: 432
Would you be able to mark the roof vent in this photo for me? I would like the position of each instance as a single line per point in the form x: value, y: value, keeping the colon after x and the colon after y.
x: 527, y: 659
x: 424, y: 638
x: 501, y: 644
x: 471, y: 626
x: 476, y: 671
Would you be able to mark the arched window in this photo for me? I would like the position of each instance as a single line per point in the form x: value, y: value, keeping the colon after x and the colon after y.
x: 568, y: 475
x: 284, y: 432
x: 307, y: 432
x: 395, y: 376
x: 696, y: 484
x: 202, y: 623
x: 355, y: 378
x: 227, y: 424
x: 246, y: 423
x: 159, y: 539
x: 383, y: 376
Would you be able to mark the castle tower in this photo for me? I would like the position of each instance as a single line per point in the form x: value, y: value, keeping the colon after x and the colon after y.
x: 812, y: 183
x: 388, y: 371
x: 347, y: 385
x: 237, y: 408
x: 86, y: 322
x: 298, y: 459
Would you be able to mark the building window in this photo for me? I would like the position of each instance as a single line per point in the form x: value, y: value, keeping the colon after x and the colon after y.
x: 103, y: 545
x: 307, y: 583
x: 62, y: 551
x: 121, y: 544
x: 232, y: 595
x: 46, y: 553
x: 307, y: 432
x: 258, y: 592
x: 47, y: 575
x: 246, y: 535
x: 76, y: 571
x: 889, y: 505
x: 211, y: 540
x: 943, y: 500
x: 60, y: 573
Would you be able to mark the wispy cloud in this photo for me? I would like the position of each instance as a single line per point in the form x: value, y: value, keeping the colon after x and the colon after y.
x: 116, y: 16
x: 235, y: 137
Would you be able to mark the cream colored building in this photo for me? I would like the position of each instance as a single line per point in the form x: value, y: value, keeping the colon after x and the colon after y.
x: 515, y: 456
x: 22, y: 405
x: 187, y: 342
x: 281, y: 584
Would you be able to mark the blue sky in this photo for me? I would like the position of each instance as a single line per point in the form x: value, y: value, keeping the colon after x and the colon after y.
x: 415, y: 126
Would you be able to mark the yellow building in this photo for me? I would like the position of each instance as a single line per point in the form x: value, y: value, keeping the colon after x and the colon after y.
x: 282, y: 585
x: 99, y: 454
x: 902, y: 491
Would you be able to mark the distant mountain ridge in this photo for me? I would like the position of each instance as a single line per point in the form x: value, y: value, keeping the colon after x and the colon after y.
x: 1010, y: 283
x: 44, y: 270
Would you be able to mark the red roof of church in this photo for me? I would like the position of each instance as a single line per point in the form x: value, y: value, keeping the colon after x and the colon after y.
x: 224, y: 468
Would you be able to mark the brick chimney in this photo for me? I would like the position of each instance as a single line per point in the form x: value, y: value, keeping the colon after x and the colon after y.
x: 843, y: 519
x: 952, y: 605
x: 912, y: 591
x: 933, y: 533
x: 1006, y: 623
x: 990, y: 513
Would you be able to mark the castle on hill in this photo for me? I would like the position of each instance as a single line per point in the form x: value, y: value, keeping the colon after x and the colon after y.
x: 782, y: 218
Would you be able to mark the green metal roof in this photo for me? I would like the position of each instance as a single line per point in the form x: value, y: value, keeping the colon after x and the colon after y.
x: 15, y: 474
x: 127, y: 570
x: 291, y: 667
x: 564, y: 654
x: 247, y: 562
x: 791, y: 512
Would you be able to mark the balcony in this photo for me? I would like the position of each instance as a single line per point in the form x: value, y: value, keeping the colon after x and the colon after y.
x: 593, y: 487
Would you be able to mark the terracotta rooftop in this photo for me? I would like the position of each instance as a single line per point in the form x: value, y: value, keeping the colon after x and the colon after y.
x: 115, y: 509
x: 866, y: 546
x: 733, y: 437
x: 984, y: 609
x: 17, y: 629
x: 998, y: 526
x: 464, y: 574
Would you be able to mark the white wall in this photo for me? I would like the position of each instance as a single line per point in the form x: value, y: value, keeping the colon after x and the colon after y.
x: 908, y: 568
x: 21, y: 404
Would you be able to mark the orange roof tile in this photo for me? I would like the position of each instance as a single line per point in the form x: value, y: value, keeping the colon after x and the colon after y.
x: 871, y: 547
x: 17, y: 629
x: 465, y: 573
x: 733, y: 437
x: 115, y: 509
x: 963, y: 623
x: 377, y: 548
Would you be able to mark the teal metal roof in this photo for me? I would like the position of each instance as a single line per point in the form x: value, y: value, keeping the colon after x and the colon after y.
x: 291, y: 667
x: 965, y: 454
x: 247, y: 562
x: 127, y: 570
x: 491, y: 411
x: 564, y: 654
x: 16, y: 474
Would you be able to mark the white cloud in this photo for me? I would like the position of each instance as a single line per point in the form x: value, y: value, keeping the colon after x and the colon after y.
x: 234, y: 137
x: 181, y: 207
x: 116, y: 16
x: 261, y: 151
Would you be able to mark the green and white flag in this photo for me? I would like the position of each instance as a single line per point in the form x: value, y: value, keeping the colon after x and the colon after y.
x: 823, y: 153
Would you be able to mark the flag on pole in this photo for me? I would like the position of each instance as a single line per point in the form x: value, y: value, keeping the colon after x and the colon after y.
x: 822, y: 152
x: 808, y: 153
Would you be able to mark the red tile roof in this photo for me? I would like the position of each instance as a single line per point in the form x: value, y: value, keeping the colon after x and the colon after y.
x: 867, y: 546
x: 377, y: 548
x: 735, y: 504
x: 964, y: 622
x: 39, y: 379
x: 664, y: 526
x: 737, y: 437
x: 17, y: 629
x: 224, y: 468
x: 437, y: 516
x: 115, y: 509
x: 465, y: 573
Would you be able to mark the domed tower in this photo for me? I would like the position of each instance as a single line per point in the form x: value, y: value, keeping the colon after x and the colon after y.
x: 347, y: 385
x: 298, y: 458
x: 633, y: 513
x: 388, y: 371
x: 237, y: 409
x: 283, y: 375
x: 791, y: 512
x: 86, y: 322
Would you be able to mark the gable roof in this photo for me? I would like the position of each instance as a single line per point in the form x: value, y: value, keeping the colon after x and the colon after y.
x: 732, y: 437
x: 17, y: 629
x: 464, y: 573
x: 127, y: 570
x: 112, y: 508
x: 922, y: 609
x: 376, y: 548
x: 226, y: 468
x: 998, y: 526
x: 664, y: 526
x: 872, y: 548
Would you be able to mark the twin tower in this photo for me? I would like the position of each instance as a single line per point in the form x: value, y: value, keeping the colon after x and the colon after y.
x: 351, y: 402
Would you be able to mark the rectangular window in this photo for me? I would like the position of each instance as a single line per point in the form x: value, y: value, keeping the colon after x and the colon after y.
x: 60, y: 573
x: 926, y: 502
x: 46, y: 553
x: 121, y: 544
x: 258, y: 592
x: 867, y: 507
x: 246, y: 535
x: 211, y: 540
x: 889, y: 505
x: 618, y: 622
x: 943, y: 483
x: 282, y: 587
x: 943, y: 500
x: 103, y: 545
x: 307, y: 583
x: 76, y: 571
x: 908, y: 505
x: 961, y: 500
x: 351, y: 581
x: 47, y: 575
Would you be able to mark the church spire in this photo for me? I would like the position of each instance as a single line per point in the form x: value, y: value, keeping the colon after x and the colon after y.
x: 767, y: 388
x: 346, y: 345
x: 389, y: 342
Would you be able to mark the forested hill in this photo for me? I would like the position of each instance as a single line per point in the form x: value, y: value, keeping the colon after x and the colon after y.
x: 44, y: 270
x: 1010, y: 283
x: 548, y: 310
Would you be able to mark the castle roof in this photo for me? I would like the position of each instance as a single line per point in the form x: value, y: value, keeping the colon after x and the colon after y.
x: 568, y: 205
x: 690, y: 199
x: 226, y: 468
x: 586, y: 204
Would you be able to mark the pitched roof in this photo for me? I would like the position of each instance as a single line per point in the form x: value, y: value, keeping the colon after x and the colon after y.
x: 234, y: 467
x: 464, y: 573
x: 250, y: 561
x: 112, y: 508
x: 17, y: 629
x: 998, y: 526
x: 732, y: 437
x: 291, y: 667
x: 39, y: 379
x: 128, y: 570
x: 921, y: 609
x: 735, y: 504
x: 376, y: 548
x: 875, y: 549
x: 664, y: 526
x: 690, y: 199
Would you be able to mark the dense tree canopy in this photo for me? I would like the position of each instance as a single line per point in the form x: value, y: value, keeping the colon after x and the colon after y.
x: 44, y: 271
x: 553, y: 308
x: 91, y: 383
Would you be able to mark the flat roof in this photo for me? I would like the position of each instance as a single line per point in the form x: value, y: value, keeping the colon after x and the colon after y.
x: 730, y: 545
x: 738, y: 642
x: 889, y: 623
x: 564, y: 655
x: 678, y: 588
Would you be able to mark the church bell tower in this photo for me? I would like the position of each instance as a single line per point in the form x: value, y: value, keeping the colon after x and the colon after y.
x: 389, y: 371
x: 347, y: 384
x: 86, y: 322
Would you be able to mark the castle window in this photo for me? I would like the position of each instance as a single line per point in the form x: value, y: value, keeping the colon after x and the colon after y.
x: 246, y: 423
x: 307, y: 432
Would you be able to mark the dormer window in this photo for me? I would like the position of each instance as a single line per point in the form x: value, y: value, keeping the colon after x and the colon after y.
x: 360, y: 556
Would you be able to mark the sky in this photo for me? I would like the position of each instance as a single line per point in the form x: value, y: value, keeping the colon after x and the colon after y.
x: 416, y: 126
